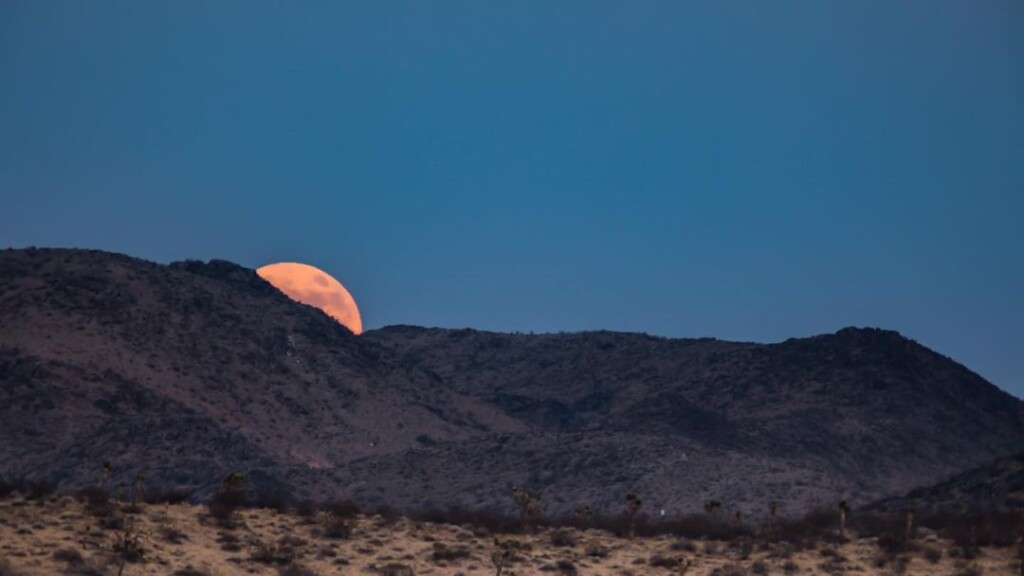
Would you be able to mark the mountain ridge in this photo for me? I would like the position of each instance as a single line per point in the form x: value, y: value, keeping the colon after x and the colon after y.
x: 193, y: 369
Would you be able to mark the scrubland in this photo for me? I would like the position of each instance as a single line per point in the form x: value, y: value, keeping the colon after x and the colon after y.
x: 92, y: 533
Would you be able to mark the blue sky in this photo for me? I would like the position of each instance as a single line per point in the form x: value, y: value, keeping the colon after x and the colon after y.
x: 744, y: 170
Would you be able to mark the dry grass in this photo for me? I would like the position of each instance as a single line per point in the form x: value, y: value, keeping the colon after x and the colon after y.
x: 63, y: 535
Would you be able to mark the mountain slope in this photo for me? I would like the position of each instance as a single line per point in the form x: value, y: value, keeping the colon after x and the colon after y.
x: 106, y: 357
x: 868, y: 410
x: 191, y: 370
x: 994, y: 487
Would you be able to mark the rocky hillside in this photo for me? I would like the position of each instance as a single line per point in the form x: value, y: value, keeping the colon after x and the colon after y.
x: 994, y: 487
x: 195, y: 369
x: 859, y: 412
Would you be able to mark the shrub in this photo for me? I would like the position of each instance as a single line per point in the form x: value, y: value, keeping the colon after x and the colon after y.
x: 729, y: 570
x: 277, y: 500
x: 563, y: 538
x: 172, y: 535
x: 566, y: 567
x: 395, y: 569
x: 7, y: 489
x: 968, y: 570
x: 658, y: 561
x: 223, y: 506
x: 168, y: 496
x: 282, y: 552
x: 490, y: 521
x: 295, y: 570
x: 6, y: 569
x: 444, y: 553
x: 38, y: 489
x: 188, y: 571
x: 338, y: 529
x: 69, y: 555
x: 97, y: 502
x: 340, y: 508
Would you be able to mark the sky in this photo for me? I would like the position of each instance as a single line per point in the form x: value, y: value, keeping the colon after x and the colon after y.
x: 744, y: 170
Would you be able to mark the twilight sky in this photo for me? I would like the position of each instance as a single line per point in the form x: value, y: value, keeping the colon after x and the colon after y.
x: 745, y: 170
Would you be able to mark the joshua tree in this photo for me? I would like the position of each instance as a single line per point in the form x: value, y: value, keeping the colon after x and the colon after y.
x: 234, y: 482
x: 633, y: 504
x: 712, y: 506
x: 105, y: 475
x: 843, y: 511
x: 583, y: 516
x: 503, y: 556
x: 530, y: 506
x: 908, y: 518
x: 140, y: 480
x: 127, y: 545
x: 773, y: 511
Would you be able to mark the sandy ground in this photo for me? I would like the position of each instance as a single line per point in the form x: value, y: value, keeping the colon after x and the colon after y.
x: 60, y: 536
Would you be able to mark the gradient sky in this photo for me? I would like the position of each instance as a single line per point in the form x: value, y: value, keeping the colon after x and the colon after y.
x: 745, y: 170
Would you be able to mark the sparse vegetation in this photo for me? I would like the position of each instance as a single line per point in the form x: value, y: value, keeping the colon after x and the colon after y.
x: 263, y: 538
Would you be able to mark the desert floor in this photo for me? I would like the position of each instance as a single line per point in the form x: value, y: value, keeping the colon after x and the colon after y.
x: 60, y: 535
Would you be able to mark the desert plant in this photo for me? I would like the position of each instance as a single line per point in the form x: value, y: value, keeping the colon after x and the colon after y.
x: 233, y: 481
x: 711, y: 507
x: 908, y: 522
x: 563, y: 538
x: 127, y: 545
x: 444, y: 553
x: 503, y: 556
x: 583, y: 516
x: 530, y: 507
x: 6, y: 569
x: 633, y: 505
x: 773, y: 512
x: 282, y: 552
x: 224, y: 504
x: 105, y: 473
x: 395, y: 569
x: 188, y: 571
x: 69, y: 555
x: 843, y: 511
x: 566, y: 568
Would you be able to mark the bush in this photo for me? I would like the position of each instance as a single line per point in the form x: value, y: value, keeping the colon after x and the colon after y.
x: 729, y: 570
x: 444, y: 553
x: 338, y: 529
x: 395, y: 569
x: 563, y: 538
x: 341, y: 508
x: 282, y: 552
x: 566, y: 567
x: 188, y: 571
x: 295, y: 570
x: 223, y: 506
x: 6, y: 569
x: 277, y: 500
x: 658, y: 561
x: 69, y: 555
x: 493, y: 523
x: 168, y: 496
x: 37, y: 489
x: 7, y: 489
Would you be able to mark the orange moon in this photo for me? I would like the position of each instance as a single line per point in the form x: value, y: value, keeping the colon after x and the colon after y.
x: 310, y: 285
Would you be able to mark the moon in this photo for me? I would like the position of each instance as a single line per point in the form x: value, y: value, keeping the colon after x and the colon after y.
x: 311, y: 285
